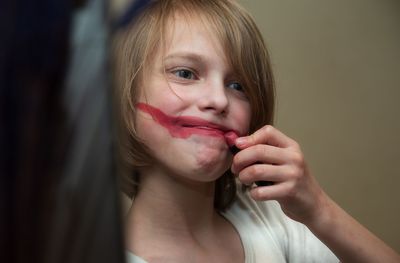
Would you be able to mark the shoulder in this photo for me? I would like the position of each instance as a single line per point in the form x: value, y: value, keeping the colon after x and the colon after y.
x: 265, y: 223
x: 267, y: 213
x: 261, y: 226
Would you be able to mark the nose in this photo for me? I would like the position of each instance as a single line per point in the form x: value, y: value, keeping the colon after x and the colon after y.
x: 214, y: 98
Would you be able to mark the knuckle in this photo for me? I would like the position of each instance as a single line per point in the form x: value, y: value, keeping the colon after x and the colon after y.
x: 246, y: 174
x: 267, y: 128
x: 263, y: 150
x: 296, y: 145
x: 235, y: 159
x: 256, y: 193
x: 254, y: 169
x: 292, y: 172
x: 296, y: 173
x: 260, y: 149
x: 297, y: 158
x: 252, y: 138
x: 242, y: 177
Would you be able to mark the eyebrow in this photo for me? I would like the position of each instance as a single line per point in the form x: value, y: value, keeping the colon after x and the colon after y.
x: 187, y: 56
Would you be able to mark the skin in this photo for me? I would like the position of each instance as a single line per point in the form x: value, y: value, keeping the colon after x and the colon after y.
x: 183, y: 192
x: 192, y: 78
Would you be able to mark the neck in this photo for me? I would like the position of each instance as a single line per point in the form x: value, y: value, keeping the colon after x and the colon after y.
x: 169, y: 205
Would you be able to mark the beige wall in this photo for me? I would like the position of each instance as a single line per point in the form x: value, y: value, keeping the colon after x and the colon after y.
x: 337, y: 68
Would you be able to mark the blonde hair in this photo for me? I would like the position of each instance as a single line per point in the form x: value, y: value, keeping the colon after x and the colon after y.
x: 244, y: 48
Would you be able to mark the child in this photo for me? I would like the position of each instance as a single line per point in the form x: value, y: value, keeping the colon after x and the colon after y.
x: 195, y: 79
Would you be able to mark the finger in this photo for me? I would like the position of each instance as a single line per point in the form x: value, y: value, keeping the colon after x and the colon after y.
x: 273, y: 192
x: 258, y: 153
x: 266, y: 135
x: 262, y: 172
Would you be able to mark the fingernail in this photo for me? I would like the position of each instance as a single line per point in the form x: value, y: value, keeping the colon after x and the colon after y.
x: 240, y: 141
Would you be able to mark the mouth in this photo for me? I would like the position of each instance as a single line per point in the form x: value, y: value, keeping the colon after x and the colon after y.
x: 190, y: 125
x: 203, y: 129
x: 210, y: 127
x: 184, y: 126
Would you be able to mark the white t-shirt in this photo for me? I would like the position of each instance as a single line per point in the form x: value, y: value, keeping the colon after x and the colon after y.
x: 268, y: 235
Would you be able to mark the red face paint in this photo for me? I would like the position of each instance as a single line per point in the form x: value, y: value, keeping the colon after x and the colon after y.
x: 184, y: 126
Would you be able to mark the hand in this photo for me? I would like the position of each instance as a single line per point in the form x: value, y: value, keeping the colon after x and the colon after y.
x: 269, y: 155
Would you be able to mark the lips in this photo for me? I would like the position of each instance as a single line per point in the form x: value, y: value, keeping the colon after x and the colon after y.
x: 192, y: 123
x: 201, y: 127
x: 188, y: 131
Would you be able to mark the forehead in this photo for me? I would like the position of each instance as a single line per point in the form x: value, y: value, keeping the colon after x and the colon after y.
x: 191, y: 33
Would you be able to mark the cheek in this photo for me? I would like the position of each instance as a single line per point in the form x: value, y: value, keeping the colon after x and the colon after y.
x: 144, y: 126
x: 151, y: 134
x: 165, y: 100
x: 168, y: 97
x: 242, y: 114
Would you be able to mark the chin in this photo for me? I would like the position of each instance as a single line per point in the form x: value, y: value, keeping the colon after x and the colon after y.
x: 210, y: 167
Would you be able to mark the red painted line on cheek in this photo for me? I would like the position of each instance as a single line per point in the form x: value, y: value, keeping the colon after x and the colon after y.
x: 169, y: 122
x: 183, y: 126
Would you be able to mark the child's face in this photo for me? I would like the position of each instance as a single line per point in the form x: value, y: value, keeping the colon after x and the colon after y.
x: 189, y: 99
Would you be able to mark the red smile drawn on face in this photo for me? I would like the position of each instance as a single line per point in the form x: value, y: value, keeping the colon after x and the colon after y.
x: 184, y: 126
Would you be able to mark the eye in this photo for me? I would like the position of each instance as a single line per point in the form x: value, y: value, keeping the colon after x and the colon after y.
x: 236, y: 86
x: 184, y: 73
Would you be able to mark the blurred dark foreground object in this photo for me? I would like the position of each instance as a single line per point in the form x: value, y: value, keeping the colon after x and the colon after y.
x: 58, y: 193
